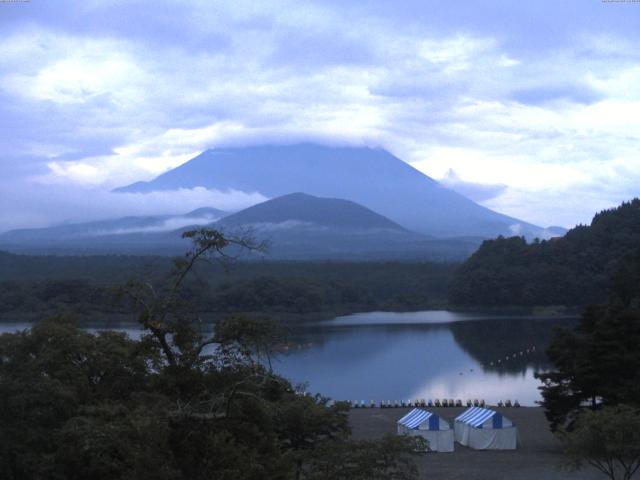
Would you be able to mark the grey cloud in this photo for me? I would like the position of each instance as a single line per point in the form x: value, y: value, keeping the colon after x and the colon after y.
x: 334, y: 72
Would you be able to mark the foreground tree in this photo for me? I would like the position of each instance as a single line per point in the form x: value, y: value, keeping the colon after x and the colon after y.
x: 608, y: 439
x: 598, y: 363
x: 385, y: 459
x: 180, y: 403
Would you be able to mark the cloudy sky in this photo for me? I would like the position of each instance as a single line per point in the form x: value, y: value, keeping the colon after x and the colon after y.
x: 531, y: 108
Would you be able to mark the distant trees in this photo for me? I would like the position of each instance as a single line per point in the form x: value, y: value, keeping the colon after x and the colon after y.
x: 572, y: 270
x: 269, y: 287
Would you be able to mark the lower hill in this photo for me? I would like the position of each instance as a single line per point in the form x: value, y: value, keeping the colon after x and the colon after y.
x: 118, y: 235
x: 303, y: 227
x: 295, y: 227
x: 572, y: 270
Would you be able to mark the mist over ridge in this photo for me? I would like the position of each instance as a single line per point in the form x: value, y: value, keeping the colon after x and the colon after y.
x: 372, y: 177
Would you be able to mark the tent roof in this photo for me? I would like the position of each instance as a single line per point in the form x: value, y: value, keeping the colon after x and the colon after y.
x: 475, y: 416
x: 415, y: 418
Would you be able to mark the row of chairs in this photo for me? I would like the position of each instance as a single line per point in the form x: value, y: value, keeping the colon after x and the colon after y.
x: 429, y: 403
x: 508, y: 403
x: 416, y: 403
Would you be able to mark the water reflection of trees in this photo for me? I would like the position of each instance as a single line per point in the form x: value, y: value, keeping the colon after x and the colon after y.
x: 300, y: 338
x: 501, y: 345
x: 507, y: 345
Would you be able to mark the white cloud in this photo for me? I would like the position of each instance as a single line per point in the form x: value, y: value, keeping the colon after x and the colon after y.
x: 92, y: 108
x: 45, y: 205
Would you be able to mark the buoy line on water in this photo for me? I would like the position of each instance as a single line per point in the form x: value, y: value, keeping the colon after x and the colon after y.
x: 522, y: 353
x: 445, y: 402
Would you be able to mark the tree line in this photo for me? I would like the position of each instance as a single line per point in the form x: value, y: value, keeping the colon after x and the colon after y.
x: 573, y: 270
x: 274, y: 287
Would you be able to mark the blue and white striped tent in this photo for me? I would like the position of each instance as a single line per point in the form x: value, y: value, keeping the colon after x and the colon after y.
x: 420, y: 422
x: 485, y: 429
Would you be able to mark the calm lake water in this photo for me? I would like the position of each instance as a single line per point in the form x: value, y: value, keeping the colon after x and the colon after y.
x: 402, y: 356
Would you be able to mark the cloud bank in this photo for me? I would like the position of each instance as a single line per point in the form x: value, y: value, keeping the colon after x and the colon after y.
x: 533, y: 104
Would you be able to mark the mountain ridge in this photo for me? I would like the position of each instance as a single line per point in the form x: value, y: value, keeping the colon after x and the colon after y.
x: 117, y: 226
x: 327, y: 212
x: 374, y: 178
x: 296, y: 227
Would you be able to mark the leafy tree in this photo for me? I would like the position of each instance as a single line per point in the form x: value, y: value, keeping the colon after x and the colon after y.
x: 386, y: 459
x: 180, y: 403
x: 599, y: 362
x: 607, y: 439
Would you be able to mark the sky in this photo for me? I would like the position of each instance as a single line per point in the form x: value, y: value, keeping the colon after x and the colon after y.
x: 531, y: 108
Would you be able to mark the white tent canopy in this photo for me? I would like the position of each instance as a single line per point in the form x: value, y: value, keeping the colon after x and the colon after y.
x: 485, y: 429
x: 420, y: 422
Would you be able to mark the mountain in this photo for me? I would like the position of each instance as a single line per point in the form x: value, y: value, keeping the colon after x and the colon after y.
x: 295, y: 226
x: 573, y: 270
x: 312, y: 211
x: 301, y: 226
x: 105, y: 235
x: 373, y: 178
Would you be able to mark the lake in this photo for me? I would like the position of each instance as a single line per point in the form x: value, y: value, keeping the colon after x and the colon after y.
x: 407, y: 356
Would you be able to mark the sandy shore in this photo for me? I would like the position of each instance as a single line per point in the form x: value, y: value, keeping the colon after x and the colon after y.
x: 538, y: 456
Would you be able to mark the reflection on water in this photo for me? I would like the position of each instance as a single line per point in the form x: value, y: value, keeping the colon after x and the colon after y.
x: 408, y: 356
x: 413, y: 356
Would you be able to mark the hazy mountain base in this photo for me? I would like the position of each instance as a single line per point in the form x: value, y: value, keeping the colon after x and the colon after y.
x: 300, y: 245
x: 295, y: 227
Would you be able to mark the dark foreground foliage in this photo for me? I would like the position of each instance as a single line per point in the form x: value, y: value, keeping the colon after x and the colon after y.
x: 598, y: 363
x: 176, y: 404
x: 572, y: 270
x: 76, y: 405
x: 608, y: 440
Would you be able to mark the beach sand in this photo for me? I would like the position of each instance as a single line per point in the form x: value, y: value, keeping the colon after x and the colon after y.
x: 538, y: 457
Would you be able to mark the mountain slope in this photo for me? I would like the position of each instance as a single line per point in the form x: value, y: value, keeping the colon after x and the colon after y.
x: 323, y: 212
x: 301, y: 226
x: 295, y: 226
x: 573, y: 270
x: 105, y: 235
x: 371, y: 177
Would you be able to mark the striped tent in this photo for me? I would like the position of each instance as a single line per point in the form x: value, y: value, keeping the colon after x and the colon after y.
x: 428, y: 425
x: 485, y: 429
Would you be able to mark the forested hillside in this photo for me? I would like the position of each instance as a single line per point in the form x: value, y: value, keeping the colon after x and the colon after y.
x: 32, y: 286
x: 572, y: 270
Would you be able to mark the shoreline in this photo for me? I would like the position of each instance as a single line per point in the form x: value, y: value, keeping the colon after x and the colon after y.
x: 291, y: 318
